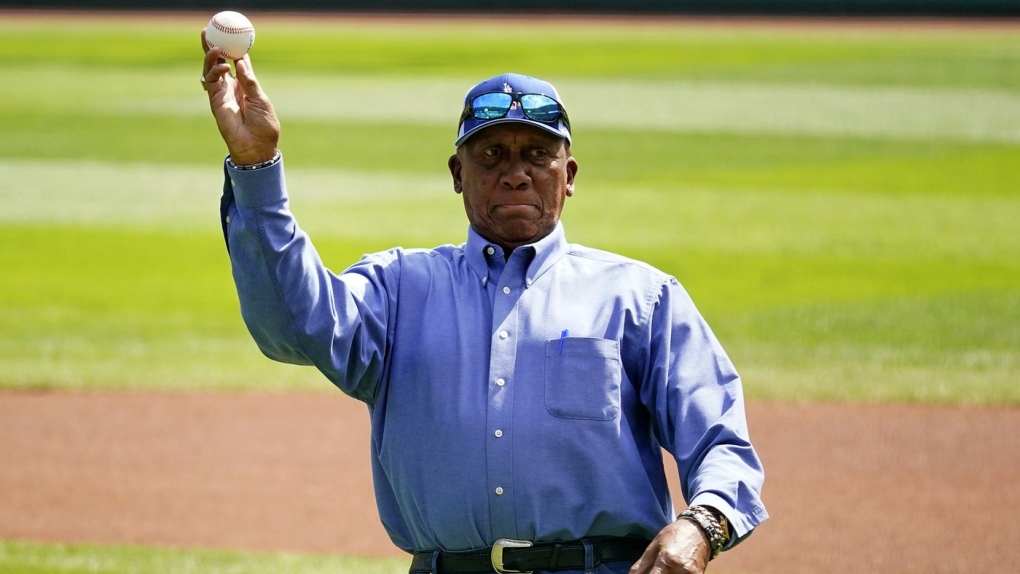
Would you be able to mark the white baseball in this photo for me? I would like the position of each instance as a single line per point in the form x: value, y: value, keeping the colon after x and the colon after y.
x: 232, y: 33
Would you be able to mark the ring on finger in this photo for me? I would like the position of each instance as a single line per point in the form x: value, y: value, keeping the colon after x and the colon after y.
x: 205, y: 83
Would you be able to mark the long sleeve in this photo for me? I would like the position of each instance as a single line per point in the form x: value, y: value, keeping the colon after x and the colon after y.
x: 296, y: 310
x: 696, y: 397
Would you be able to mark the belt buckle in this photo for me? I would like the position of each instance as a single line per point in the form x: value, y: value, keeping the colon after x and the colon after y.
x: 497, y: 554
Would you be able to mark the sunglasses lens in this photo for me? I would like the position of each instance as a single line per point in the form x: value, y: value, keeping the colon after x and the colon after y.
x: 491, y: 106
x: 540, y: 108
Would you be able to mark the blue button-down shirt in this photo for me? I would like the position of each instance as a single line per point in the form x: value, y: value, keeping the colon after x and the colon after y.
x: 526, y: 397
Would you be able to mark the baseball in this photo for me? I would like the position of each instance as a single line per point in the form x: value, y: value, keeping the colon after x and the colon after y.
x: 232, y: 33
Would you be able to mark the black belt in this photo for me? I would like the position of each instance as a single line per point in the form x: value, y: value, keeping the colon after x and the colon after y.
x: 522, y: 556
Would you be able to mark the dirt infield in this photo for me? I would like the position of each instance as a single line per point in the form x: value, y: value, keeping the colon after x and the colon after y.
x: 850, y: 488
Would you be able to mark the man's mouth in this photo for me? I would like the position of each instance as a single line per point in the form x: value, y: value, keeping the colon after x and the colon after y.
x: 515, y: 210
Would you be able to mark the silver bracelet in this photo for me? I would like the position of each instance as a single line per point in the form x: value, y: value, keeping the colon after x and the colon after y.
x: 709, y: 525
x: 249, y: 167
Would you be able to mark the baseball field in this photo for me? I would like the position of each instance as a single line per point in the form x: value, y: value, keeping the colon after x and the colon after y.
x: 840, y: 198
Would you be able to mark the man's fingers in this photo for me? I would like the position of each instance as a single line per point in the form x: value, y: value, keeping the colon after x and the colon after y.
x: 246, y: 77
x: 646, y: 561
x: 212, y: 54
x: 214, y: 66
x: 678, y: 549
x: 245, y: 73
x: 662, y: 563
x: 212, y: 79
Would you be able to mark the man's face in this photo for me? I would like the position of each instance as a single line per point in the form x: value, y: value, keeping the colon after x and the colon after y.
x: 514, y: 178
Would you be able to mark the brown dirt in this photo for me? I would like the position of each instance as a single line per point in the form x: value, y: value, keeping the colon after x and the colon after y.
x: 850, y: 488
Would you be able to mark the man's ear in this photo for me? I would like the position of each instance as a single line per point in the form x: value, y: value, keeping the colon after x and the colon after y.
x: 571, y: 173
x: 455, y: 170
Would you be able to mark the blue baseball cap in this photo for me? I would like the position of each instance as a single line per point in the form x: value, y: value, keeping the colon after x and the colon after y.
x: 513, y: 98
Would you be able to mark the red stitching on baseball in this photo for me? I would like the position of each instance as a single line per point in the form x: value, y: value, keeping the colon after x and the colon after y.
x: 230, y: 29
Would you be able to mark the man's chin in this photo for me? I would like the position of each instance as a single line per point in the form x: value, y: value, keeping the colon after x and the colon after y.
x: 522, y: 235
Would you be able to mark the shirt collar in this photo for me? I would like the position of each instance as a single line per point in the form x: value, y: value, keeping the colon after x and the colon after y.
x: 547, y: 250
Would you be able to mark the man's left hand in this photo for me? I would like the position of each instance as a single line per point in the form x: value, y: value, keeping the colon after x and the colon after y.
x: 680, y: 548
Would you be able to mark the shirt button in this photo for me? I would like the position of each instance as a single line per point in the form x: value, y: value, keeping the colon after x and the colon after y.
x: 529, y: 281
x: 500, y: 382
x: 498, y: 433
x: 503, y: 334
x: 490, y: 251
x: 506, y: 290
x: 226, y: 219
x: 499, y: 491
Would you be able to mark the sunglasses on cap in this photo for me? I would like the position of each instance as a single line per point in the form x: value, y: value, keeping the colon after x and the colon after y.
x: 495, y: 105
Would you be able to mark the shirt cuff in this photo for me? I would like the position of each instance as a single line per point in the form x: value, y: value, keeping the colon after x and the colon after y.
x: 255, y: 188
x: 741, y: 526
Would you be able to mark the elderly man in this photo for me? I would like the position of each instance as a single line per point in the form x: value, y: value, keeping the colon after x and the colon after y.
x: 521, y: 388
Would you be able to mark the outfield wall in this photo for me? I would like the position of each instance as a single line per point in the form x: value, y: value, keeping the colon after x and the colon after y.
x: 690, y: 7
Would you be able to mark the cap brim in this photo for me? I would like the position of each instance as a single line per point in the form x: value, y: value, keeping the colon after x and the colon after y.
x: 559, y: 128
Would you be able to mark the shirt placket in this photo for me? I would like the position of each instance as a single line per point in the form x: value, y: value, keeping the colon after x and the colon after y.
x: 503, y: 355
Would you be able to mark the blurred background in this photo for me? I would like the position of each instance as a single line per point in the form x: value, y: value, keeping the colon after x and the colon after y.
x: 837, y: 192
x: 532, y: 7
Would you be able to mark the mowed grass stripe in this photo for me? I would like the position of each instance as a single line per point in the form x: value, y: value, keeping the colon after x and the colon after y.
x: 110, y: 308
x: 18, y: 557
x: 346, y: 205
x: 624, y: 159
x: 958, y: 348
x: 735, y: 107
x: 186, y: 197
x: 663, y: 105
x: 840, y: 55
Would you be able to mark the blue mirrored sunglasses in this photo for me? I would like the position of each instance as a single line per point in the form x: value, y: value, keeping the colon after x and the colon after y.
x: 495, y: 105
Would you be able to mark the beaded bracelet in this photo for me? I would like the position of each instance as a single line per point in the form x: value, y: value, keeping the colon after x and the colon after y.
x: 715, y: 531
x: 269, y: 162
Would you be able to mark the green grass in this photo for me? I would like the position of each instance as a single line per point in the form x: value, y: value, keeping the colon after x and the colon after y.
x: 35, y: 558
x: 841, y: 203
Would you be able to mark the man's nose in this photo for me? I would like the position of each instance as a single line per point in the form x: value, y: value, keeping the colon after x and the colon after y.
x: 516, y: 176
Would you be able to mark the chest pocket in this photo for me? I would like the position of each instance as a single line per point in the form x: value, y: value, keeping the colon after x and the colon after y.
x: 582, y: 378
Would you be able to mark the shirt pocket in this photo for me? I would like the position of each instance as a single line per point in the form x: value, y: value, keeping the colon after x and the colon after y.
x: 582, y: 378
